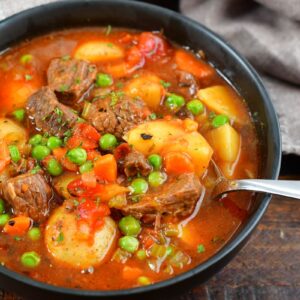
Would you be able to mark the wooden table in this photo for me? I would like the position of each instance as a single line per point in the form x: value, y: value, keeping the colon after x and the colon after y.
x: 268, y: 267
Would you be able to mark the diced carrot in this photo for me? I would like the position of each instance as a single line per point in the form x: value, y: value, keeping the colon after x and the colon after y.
x: 60, y: 155
x: 131, y: 273
x: 17, y: 226
x: 89, y: 179
x: 187, y: 62
x: 105, y: 168
x: 117, y: 70
x: 4, y: 155
x: 111, y: 190
x: 178, y: 163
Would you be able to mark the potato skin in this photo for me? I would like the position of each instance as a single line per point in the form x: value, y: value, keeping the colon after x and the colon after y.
x: 66, y: 244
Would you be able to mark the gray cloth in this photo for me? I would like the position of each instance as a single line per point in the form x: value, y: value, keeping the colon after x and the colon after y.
x: 267, y: 32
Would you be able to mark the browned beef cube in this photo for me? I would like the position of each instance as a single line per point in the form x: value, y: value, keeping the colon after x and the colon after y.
x: 29, y: 195
x: 116, y: 115
x: 48, y: 114
x: 135, y: 163
x: 177, y: 197
x: 70, y: 78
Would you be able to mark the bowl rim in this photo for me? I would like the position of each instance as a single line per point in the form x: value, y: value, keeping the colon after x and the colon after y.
x: 253, y: 220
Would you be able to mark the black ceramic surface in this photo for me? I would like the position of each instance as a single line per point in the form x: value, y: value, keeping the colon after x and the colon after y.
x: 184, y: 31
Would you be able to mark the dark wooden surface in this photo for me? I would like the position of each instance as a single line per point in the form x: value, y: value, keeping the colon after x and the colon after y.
x: 268, y: 267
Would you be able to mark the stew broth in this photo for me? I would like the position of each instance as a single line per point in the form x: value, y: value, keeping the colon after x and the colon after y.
x: 196, y: 236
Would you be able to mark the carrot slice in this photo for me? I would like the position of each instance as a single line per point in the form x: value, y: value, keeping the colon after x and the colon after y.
x: 178, y: 163
x: 105, y: 168
x: 187, y: 62
x: 17, y: 226
x: 4, y: 155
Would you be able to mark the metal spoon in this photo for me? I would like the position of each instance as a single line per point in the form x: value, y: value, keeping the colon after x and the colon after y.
x: 287, y: 188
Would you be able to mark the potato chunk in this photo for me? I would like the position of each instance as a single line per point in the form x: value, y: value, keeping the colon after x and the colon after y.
x: 61, y: 182
x: 99, y: 51
x: 148, y: 88
x: 222, y: 100
x: 65, y: 243
x: 163, y: 136
x: 12, y: 133
x: 226, y: 143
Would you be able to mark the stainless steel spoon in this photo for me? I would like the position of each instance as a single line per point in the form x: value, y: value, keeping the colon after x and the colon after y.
x: 287, y: 188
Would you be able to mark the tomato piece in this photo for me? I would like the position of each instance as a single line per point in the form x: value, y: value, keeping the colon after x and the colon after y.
x: 135, y: 59
x: 89, y: 179
x: 151, y: 44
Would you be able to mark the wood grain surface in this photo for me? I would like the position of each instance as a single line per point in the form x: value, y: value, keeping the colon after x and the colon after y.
x: 268, y: 267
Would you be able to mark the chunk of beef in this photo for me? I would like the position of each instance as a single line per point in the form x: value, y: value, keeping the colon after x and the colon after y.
x: 48, y: 114
x: 116, y: 115
x: 70, y: 78
x: 187, y: 83
x: 135, y: 163
x: 177, y: 197
x: 29, y: 195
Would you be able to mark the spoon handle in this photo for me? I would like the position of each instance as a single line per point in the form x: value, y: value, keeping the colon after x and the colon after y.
x: 288, y: 188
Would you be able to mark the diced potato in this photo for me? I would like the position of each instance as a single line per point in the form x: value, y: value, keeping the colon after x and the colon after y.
x: 12, y: 133
x: 61, y: 183
x: 148, y: 88
x: 98, y: 51
x: 226, y: 143
x: 222, y: 100
x: 169, y: 136
x: 65, y: 243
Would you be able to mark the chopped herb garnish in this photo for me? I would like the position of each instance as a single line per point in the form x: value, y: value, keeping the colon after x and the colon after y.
x: 17, y: 238
x: 114, y: 99
x: 58, y: 111
x: 136, y: 76
x: 36, y: 169
x: 200, y: 248
x: 60, y: 237
x: 77, y: 80
x: 63, y: 88
x: 28, y: 77
x: 75, y: 202
x: 108, y: 30
x: 146, y: 136
x: 91, y: 68
x: 119, y: 84
x: 66, y: 57
x: 211, y: 115
x: 165, y: 84
x: 110, y: 45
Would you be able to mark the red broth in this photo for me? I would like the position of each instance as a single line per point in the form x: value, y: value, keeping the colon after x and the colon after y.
x: 199, y: 235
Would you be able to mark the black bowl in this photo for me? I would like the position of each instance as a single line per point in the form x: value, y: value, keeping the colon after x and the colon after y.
x: 183, y: 31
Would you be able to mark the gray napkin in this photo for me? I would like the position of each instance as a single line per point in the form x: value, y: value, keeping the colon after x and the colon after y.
x: 267, y: 32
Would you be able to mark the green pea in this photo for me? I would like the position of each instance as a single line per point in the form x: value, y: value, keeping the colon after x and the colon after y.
x: 54, y: 168
x: 130, y: 226
x: 219, y: 120
x: 14, y: 153
x: 195, y: 106
x: 19, y: 114
x: 156, y: 178
x: 139, y: 186
x: 103, y: 80
x: 26, y: 58
x: 77, y: 155
x: 174, y: 101
x: 143, y: 280
x: 129, y: 243
x: 141, y: 254
x: 4, y: 219
x: 39, y: 152
x: 30, y: 259
x: 86, y: 167
x: 34, y: 234
x: 108, y: 141
x: 2, y: 207
x: 35, y: 140
x: 54, y: 142
x: 155, y: 161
